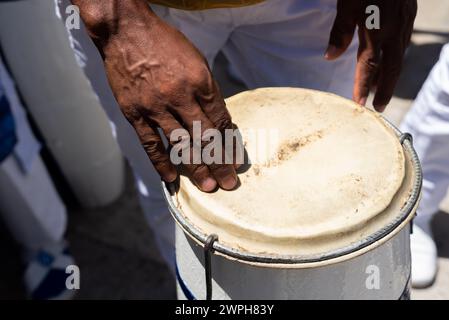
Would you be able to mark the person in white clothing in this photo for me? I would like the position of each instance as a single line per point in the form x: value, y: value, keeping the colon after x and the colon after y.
x: 30, y: 205
x: 428, y: 122
x: 161, y: 79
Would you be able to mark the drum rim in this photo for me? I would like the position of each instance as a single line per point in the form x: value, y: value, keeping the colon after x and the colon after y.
x: 408, y: 209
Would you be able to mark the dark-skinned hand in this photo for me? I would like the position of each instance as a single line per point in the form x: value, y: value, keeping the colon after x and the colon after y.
x: 160, y: 80
x: 381, y: 51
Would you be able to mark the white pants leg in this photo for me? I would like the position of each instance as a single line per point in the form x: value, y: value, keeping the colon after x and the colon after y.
x: 275, y: 43
x: 148, y: 181
x: 428, y: 122
x: 29, y: 203
x: 282, y: 43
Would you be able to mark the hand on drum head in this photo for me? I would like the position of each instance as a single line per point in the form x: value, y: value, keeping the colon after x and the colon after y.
x: 384, y: 30
x: 162, y: 84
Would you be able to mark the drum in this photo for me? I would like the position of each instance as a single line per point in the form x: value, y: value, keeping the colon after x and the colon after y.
x: 323, y: 210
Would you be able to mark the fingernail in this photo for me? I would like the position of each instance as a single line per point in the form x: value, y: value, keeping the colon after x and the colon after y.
x: 229, y: 182
x: 331, y: 52
x: 380, y: 108
x: 362, y: 101
x: 170, y: 176
x: 208, y: 185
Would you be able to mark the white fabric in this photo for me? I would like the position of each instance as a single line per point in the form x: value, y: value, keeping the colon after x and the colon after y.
x: 428, y: 122
x: 63, y: 105
x: 74, y: 44
x: 29, y: 203
x: 27, y: 149
x: 37, y: 271
x: 275, y: 43
x: 424, y: 258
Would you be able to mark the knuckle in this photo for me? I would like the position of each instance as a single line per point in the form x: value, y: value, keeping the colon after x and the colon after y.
x: 123, y: 101
x: 221, y: 170
x: 199, y: 172
x: 153, y: 114
x: 224, y: 122
x: 369, y: 60
x: 193, y: 112
x: 152, y: 148
x: 169, y: 88
x: 131, y: 114
x: 201, y: 78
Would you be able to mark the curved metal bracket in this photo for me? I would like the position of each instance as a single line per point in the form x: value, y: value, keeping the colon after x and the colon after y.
x: 405, y: 136
x: 208, y: 250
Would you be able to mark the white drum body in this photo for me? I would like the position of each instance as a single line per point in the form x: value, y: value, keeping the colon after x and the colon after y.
x: 382, y: 273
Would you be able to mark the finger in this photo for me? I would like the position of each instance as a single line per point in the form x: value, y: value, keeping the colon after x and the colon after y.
x: 201, y: 176
x: 375, y: 80
x: 342, y: 30
x: 235, y: 138
x: 392, y: 57
x: 390, y: 69
x: 182, y: 150
x: 213, y: 105
x: 205, y: 133
x: 367, y: 66
x: 152, y: 144
x: 411, y: 7
x: 197, y: 171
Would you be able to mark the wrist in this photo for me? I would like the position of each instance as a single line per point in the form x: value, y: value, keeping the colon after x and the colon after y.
x: 107, y: 18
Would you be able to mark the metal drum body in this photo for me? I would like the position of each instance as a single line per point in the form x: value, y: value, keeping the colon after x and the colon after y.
x: 383, y: 273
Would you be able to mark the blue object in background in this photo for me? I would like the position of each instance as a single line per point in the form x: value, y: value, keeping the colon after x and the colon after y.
x: 8, y: 138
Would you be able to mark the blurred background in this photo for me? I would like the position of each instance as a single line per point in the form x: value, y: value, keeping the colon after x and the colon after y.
x: 108, y: 235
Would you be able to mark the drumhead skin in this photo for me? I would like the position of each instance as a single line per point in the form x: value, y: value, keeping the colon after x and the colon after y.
x: 325, y: 174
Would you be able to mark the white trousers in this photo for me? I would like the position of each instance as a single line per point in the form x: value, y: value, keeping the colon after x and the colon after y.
x: 275, y: 43
x: 428, y: 122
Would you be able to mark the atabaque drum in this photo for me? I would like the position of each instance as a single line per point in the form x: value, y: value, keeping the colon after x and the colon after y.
x: 323, y: 209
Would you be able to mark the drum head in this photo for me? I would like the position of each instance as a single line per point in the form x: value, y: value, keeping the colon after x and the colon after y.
x: 326, y: 174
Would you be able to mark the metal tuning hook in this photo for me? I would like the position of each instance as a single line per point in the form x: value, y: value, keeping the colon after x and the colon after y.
x: 208, y: 250
x: 405, y: 136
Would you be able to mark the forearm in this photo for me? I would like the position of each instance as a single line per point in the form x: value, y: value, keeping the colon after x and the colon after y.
x: 106, y: 18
